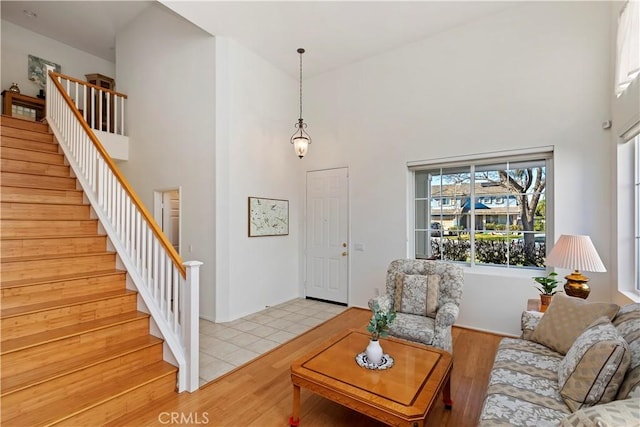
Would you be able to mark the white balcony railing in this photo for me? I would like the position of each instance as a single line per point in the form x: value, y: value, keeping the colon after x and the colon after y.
x: 168, y: 287
x: 101, y: 108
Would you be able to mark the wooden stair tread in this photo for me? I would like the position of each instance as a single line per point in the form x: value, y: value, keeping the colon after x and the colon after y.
x: 24, y: 124
x: 19, y: 122
x: 46, y: 204
x: 41, y: 156
x: 35, y: 150
x: 50, y: 257
x: 26, y: 137
x: 42, y: 181
x: 24, y: 226
x: 71, y: 236
x: 58, y: 278
x: 21, y: 136
x: 13, y: 383
x: 52, y: 304
x: 33, y: 187
x: 17, y: 344
x: 76, y: 403
x: 37, y: 187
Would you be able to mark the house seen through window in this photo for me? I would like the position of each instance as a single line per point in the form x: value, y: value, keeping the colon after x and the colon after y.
x: 497, y: 213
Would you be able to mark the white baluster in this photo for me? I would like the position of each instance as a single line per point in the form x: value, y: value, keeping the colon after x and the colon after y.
x: 93, y: 107
x: 155, y: 269
x: 175, y: 307
x: 161, y: 281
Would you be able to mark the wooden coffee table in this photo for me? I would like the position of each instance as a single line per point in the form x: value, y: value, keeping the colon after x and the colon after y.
x: 401, y: 395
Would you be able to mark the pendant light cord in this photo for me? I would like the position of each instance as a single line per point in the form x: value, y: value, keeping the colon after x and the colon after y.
x: 301, y: 82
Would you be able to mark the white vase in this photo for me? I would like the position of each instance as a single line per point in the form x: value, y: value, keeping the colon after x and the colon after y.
x: 374, y: 352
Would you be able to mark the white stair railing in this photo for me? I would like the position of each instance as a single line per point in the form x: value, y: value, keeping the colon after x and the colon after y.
x: 168, y: 287
x: 101, y: 108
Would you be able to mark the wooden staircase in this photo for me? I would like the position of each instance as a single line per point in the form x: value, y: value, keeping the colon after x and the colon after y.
x: 74, y: 350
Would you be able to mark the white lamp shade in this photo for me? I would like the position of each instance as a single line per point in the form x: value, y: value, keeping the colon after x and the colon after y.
x: 575, y: 252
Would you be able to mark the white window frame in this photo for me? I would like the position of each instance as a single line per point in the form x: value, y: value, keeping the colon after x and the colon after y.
x: 538, y: 153
x: 628, y: 220
x: 637, y: 213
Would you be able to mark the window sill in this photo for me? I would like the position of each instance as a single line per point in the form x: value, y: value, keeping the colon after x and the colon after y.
x: 633, y: 296
x: 526, y: 273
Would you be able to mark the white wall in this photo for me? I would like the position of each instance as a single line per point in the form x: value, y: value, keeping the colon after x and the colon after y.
x: 18, y: 43
x: 166, y: 67
x: 256, y: 107
x: 534, y: 75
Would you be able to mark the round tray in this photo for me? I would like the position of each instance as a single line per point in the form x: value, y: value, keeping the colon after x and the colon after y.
x: 386, y: 363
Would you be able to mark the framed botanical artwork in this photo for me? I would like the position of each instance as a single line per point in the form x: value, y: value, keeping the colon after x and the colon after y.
x: 268, y: 217
x: 38, y: 70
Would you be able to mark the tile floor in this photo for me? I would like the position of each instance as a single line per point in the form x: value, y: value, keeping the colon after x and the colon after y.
x: 224, y: 346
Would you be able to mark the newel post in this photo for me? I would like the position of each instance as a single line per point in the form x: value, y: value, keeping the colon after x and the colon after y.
x: 191, y: 312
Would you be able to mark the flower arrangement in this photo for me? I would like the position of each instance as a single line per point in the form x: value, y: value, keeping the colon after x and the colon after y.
x: 379, y: 324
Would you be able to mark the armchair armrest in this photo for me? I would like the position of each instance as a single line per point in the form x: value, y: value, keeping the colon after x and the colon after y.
x: 528, y: 323
x: 385, y: 302
x: 447, y: 315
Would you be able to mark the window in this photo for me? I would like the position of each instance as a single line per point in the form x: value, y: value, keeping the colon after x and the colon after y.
x: 627, y: 46
x: 637, y: 212
x: 511, y: 233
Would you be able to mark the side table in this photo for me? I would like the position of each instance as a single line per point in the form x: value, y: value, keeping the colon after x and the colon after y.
x: 19, y: 105
x: 533, y: 304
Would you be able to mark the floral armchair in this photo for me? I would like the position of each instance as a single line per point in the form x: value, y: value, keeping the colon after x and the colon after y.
x: 426, y: 296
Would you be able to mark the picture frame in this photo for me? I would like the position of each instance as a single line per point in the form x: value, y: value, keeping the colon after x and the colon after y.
x: 37, y: 70
x: 268, y: 217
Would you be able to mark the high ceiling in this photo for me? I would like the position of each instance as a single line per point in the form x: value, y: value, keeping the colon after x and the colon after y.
x: 90, y: 26
x: 334, y: 33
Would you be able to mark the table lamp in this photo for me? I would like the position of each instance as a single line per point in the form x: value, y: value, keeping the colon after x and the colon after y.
x: 578, y: 253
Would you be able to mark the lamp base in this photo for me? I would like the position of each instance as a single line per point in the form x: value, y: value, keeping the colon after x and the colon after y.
x: 576, y: 285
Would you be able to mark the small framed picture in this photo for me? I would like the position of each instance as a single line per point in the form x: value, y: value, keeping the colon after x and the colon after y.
x: 268, y: 217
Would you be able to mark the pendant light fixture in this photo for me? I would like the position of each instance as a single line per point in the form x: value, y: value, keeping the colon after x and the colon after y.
x: 300, y: 139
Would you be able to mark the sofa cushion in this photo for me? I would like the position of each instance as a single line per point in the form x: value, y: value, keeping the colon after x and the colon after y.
x: 413, y: 328
x: 619, y: 413
x: 417, y: 294
x: 594, y: 366
x: 566, y: 318
x: 529, y: 322
x: 627, y: 322
x: 523, y: 387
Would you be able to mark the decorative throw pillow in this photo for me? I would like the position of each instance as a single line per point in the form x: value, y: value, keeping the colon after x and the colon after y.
x: 594, y: 366
x: 619, y: 413
x: 566, y: 318
x: 417, y: 294
x: 627, y: 322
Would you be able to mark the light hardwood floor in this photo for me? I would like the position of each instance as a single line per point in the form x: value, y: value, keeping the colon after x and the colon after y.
x: 259, y: 393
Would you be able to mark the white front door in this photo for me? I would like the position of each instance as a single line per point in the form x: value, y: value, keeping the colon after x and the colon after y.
x: 327, y: 232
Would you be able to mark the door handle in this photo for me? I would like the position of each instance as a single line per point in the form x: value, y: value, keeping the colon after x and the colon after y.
x: 344, y: 254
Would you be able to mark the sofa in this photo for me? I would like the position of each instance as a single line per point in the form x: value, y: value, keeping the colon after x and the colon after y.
x: 578, y: 364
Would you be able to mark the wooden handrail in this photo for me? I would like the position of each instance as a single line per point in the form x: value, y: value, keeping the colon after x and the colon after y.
x: 73, y: 79
x: 175, y: 257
